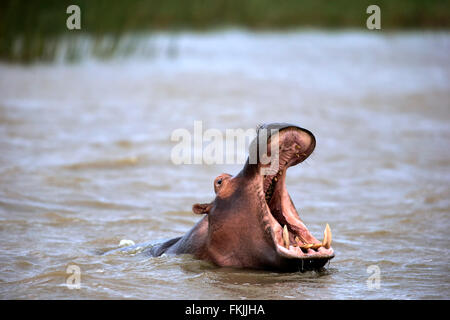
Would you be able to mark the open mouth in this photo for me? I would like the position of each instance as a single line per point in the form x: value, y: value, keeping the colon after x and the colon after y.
x: 291, y: 237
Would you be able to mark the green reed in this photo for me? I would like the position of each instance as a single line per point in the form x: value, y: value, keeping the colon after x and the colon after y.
x: 32, y: 30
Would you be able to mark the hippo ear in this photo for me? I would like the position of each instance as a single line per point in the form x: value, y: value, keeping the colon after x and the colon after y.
x: 201, y: 208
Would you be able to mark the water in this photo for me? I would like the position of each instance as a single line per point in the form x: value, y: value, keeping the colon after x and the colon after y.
x: 85, y: 163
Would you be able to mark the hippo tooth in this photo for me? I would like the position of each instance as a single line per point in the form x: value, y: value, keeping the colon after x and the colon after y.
x: 327, y: 237
x: 316, y: 246
x: 286, y: 237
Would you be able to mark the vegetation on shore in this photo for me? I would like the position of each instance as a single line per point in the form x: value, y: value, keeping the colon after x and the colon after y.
x: 31, y: 30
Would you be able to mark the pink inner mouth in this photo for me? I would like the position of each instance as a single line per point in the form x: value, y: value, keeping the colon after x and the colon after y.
x: 291, y: 236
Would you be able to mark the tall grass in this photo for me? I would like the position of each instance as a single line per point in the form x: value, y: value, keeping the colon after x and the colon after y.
x: 31, y: 30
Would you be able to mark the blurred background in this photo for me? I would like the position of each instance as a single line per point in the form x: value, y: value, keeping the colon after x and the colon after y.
x: 86, y: 118
x: 37, y: 31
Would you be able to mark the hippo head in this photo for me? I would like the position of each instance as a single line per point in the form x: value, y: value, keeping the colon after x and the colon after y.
x: 253, y: 222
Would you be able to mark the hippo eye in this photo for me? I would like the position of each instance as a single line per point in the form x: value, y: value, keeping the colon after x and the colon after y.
x: 219, y: 182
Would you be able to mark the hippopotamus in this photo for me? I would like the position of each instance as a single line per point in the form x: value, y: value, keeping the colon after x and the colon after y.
x: 252, y: 221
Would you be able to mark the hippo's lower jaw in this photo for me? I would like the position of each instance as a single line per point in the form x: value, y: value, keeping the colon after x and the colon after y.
x: 291, y: 237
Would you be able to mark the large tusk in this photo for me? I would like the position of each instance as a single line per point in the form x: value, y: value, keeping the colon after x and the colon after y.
x: 286, y: 237
x: 327, y: 237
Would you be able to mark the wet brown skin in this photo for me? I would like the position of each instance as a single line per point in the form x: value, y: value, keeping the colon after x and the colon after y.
x: 243, y: 225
